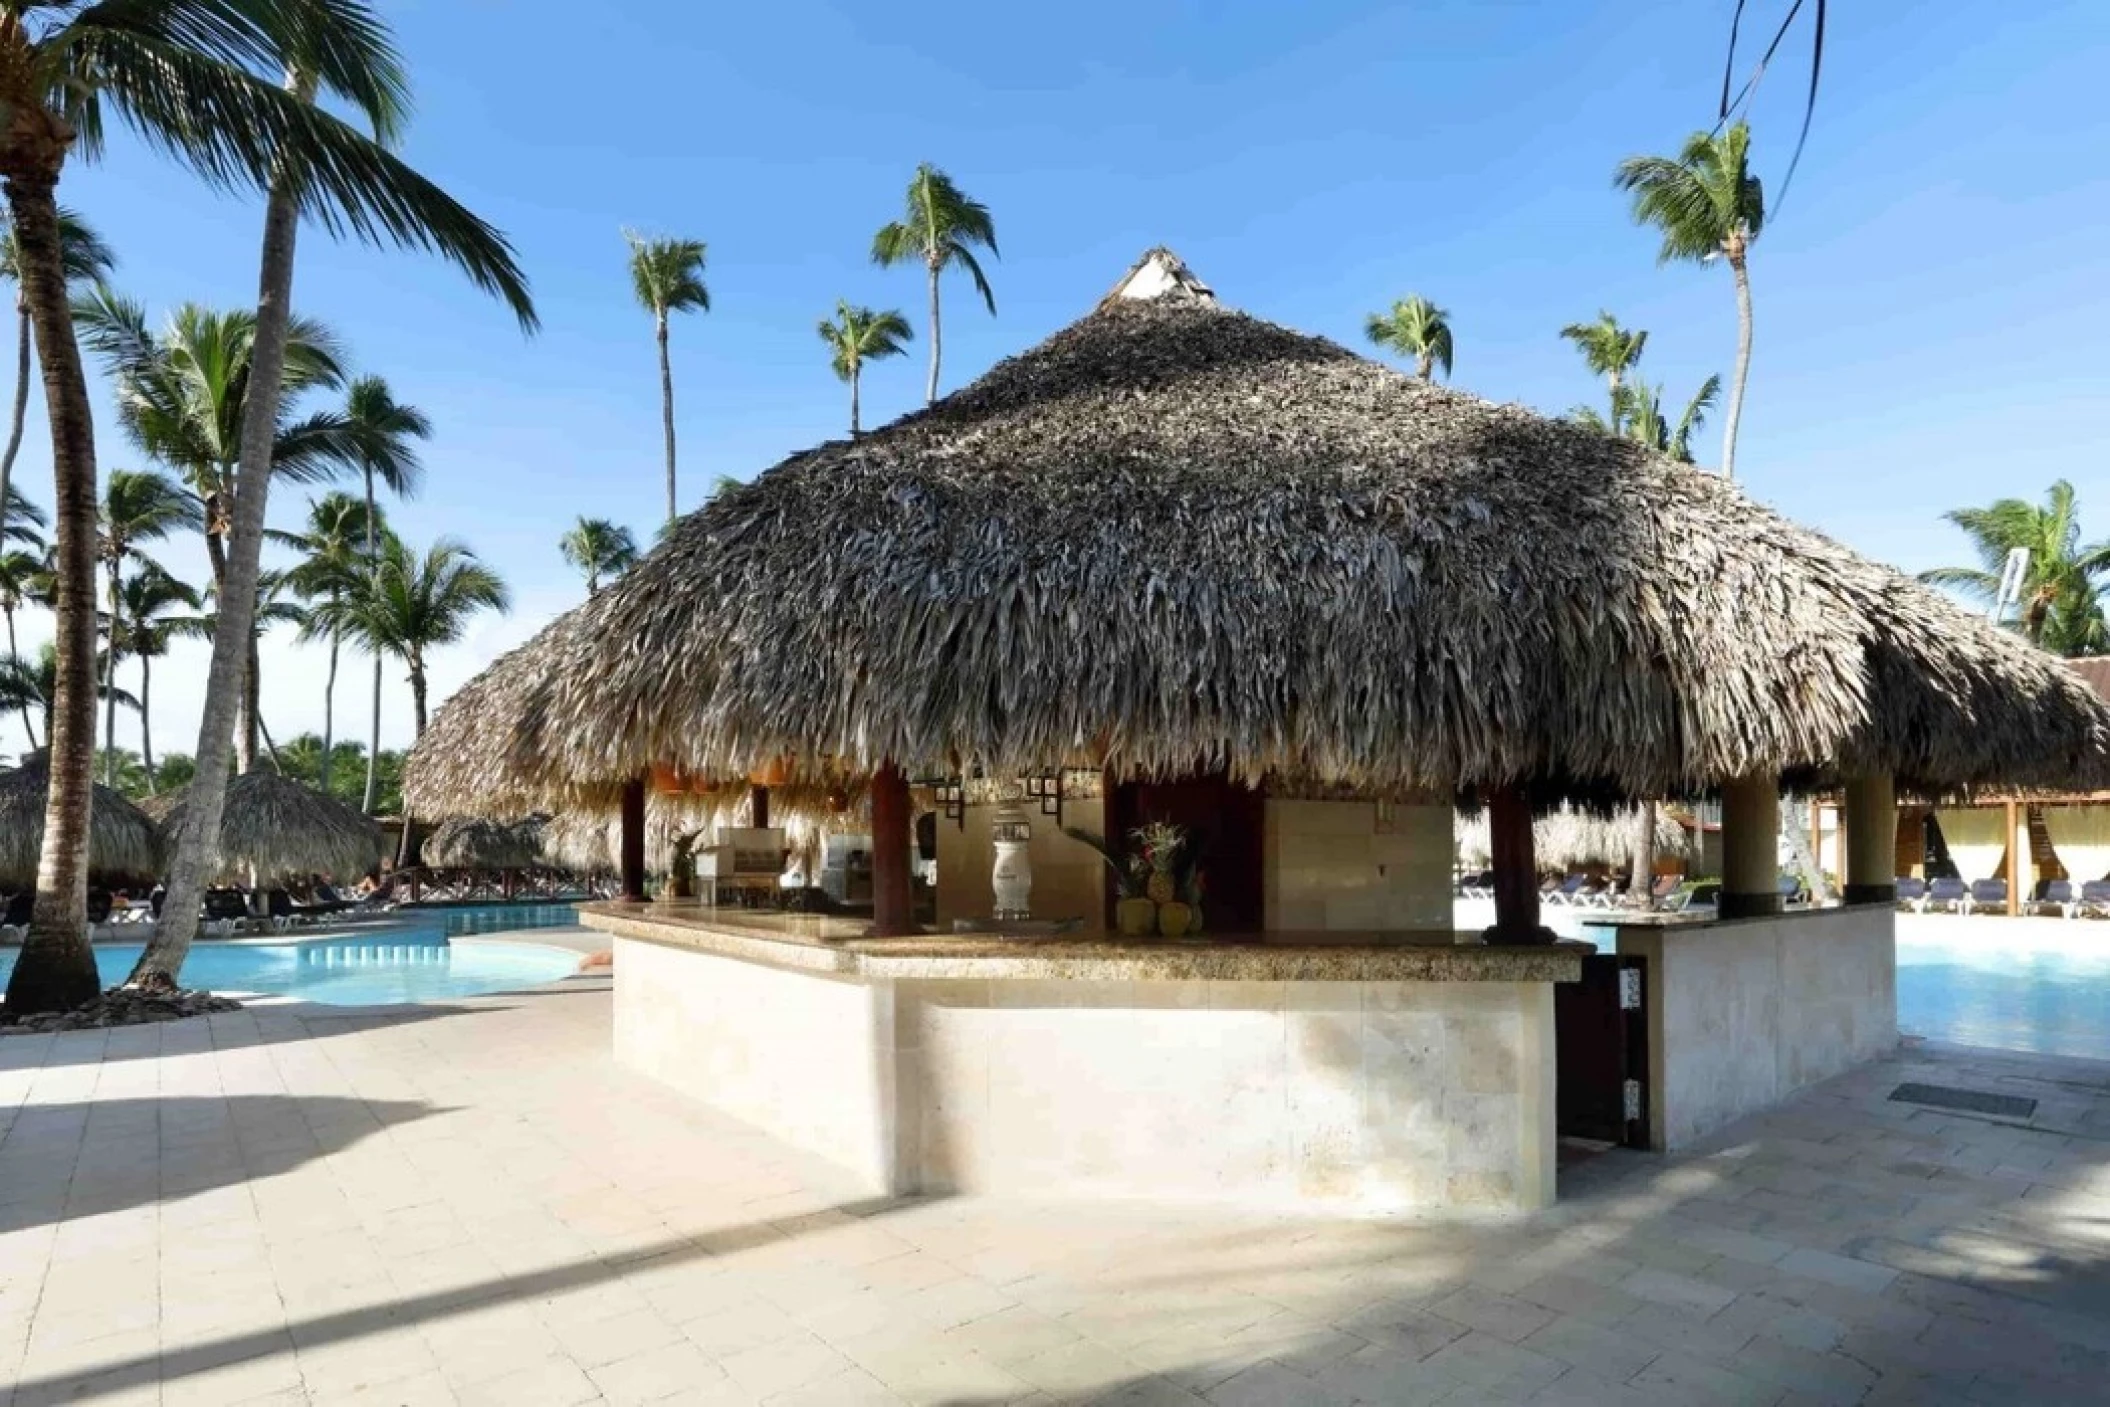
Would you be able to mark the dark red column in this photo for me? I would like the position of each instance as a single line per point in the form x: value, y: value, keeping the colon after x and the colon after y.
x: 758, y: 807
x: 891, y: 887
x: 632, y: 859
x: 1515, y: 868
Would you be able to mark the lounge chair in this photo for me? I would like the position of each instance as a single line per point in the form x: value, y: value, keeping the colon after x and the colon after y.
x: 1791, y: 890
x: 1912, y: 892
x: 1665, y: 886
x: 2092, y: 902
x: 2056, y: 895
x: 1946, y: 895
x: 1566, y: 890
x: 224, y: 908
x: 1699, y: 896
x: 14, y: 927
x: 1989, y: 894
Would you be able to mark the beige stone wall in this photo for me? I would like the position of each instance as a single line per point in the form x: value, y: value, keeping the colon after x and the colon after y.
x: 1069, y: 880
x: 1743, y: 1014
x: 1379, y: 1095
x: 1347, y: 866
x: 792, y: 1053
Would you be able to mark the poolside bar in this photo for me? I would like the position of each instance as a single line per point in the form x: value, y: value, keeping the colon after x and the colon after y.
x: 1155, y: 664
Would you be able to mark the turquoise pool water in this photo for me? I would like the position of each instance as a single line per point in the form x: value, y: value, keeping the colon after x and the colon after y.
x: 2034, y: 984
x: 415, y: 963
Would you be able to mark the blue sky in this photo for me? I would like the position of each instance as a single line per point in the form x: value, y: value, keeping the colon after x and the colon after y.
x: 1932, y: 303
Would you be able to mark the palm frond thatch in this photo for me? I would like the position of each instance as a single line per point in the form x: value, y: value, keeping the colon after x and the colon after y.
x: 1174, y: 537
x: 477, y: 843
x: 122, y: 841
x: 277, y: 828
x: 1569, y: 838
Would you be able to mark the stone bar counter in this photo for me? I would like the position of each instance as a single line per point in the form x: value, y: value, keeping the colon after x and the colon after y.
x: 1382, y: 1070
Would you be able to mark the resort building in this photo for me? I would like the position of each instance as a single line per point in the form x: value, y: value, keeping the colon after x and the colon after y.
x: 1182, y: 574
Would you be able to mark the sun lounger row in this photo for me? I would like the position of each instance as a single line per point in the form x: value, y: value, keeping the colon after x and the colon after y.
x: 2089, y: 899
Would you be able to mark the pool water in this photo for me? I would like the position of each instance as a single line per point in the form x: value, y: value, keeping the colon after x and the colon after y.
x: 469, y: 920
x: 415, y: 963
x: 2030, y: 984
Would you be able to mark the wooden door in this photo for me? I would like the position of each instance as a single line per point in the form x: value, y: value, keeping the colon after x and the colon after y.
x: 1600, y: 1038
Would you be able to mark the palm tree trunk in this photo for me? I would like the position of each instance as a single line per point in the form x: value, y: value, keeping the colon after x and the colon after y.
x: 854, y: 376
x: 198, y: 839
x: 666, y: 410
x: 1425, y: 366
x: 417, y: 694
x: 373, y: 746
x: 937, y: 340
x: 329, y: 713
x: 57, y: 967
x: 1743, y: 363
x: 247, y: 721
x: 253, y: 708
x: 1614, y: 379
x: 14, y: 648
x: 110, y: 679
x: 1644, y: 877
x: 14, y: 429
x: 146, y: 726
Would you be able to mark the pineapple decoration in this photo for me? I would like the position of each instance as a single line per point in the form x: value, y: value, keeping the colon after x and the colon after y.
x: 1160, y: 843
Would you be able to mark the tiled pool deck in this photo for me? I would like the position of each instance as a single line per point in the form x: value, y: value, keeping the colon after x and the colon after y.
x: 473, y: 1205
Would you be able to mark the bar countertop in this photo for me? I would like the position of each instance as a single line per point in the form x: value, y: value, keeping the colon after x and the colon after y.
x: 822, y: 944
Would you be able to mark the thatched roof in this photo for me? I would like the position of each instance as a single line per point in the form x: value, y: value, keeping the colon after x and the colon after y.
x: 477, y: 843
x: 121, y: 840
x: 1174, y: 536
x: 1567, y: 838
x: 278, y: 827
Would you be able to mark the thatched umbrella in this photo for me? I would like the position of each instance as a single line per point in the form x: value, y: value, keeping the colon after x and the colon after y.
x: 122, y: 842
x: 275, y: 828
x: 478, y: 843
x: 1175, y: 537
x: 1568, y: 838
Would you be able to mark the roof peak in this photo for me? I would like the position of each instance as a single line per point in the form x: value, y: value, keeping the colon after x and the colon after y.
x: 1161, y: 275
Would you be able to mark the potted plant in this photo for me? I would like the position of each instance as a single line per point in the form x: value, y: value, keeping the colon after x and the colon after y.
x: 1135, y: 914
x: 1162, y: 846
x: 681, y: 867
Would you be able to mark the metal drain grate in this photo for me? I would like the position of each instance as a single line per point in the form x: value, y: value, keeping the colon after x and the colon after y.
x: 1971, y: 1101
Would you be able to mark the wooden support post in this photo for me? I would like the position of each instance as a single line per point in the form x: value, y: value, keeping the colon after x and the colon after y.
x: 1870, y: 819
x: 632, y: 859
x: 1750, y: 847
x: 758, y: 807
x: 892, y: 890
x: 1515, y: 868
x: 2017, y: 856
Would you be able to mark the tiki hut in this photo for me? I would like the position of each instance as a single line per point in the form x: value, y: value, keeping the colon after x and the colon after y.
x: 477, y: 843
x: 1569, y: 838
x: 274, y: 828
x: 1174, y: 536
x: 122, y: 843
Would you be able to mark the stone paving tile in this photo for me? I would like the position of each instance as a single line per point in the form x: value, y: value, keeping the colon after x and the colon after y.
x: 477, y: 1206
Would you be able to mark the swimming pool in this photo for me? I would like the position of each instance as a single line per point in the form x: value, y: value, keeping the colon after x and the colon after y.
x: 469, y: 919
x: 2022, y: 984
x: 396, y: 965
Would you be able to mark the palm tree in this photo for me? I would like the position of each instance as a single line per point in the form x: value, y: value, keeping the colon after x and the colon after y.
x: 2062, y: 589
x: 1707, y: 205
x: 1414, y: 327
x: 414, y: 605
x: 34, y: 683
x: 940, y: 228
x: 181, y: 396
x: 152, y: 598
x: 384, y: 432
x: 1639, y: 407
x: 85, y: 258
x: 859, y: 335
x: 335, y: 561
x: 667, y: 276
x: 1609, y: 350
x: 18, y: 573
x: 598, y: 548
x: 137, y: 508
x: 274, y: 607
x: 186, y: 74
